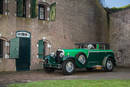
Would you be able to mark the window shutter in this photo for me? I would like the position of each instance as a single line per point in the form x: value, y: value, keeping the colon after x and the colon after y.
x: 33, y: 8
x: 19, y: 8
x: 1, y: 48
x: 14, y: 48
x: 41, y: 49
x: 52, y: 12
x: 1, y: 6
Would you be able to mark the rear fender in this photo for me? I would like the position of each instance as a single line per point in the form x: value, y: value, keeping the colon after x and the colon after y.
x: 105, y: 59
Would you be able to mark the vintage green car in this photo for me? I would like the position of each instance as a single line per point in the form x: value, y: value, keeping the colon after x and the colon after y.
x: 86, y: 55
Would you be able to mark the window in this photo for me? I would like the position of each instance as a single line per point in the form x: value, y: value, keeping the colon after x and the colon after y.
x: 1, y: 6
x: 46, y: 11
x: 104, y: 46
x: 21, y: 8
x: 33, y: 8
x: 43, y: 11
x: 1, y: 48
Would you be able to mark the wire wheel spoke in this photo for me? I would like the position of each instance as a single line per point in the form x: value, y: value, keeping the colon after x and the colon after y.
x: 82, y: 59
x: 69, y: 66
x: 109, y: 64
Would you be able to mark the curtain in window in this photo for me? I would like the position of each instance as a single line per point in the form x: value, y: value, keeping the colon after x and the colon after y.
x: 33, y: 8
x: 19, y: 8
x: 53, y: 12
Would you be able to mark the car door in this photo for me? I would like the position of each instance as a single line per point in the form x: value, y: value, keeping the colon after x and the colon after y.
x: 92, y: 57
x: 101, y: 54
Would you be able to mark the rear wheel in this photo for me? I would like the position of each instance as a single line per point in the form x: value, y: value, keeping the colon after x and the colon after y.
x: 68, y: 67
x: 109, y: 66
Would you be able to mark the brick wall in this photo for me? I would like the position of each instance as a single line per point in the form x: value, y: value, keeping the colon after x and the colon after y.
x: 76, y: 21
x: 119, y: 36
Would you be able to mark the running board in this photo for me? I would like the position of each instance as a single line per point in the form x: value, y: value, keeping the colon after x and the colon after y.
x: 98, y: 67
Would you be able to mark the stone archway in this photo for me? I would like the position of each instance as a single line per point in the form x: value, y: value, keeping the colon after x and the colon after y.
x: 4, y: 47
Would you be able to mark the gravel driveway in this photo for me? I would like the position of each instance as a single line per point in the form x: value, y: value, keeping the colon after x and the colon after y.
x: 29, y: 76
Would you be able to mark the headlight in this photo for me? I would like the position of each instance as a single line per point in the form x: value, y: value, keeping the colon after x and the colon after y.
x: 60, y: 53
x: 52, y: 54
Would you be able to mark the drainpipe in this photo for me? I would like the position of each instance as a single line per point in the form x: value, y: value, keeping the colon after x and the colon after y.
x: 108, y: 21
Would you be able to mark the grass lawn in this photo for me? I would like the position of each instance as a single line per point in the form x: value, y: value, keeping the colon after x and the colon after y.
x: 75, y: 83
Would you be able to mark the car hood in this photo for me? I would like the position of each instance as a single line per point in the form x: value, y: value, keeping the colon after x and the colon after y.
x: 70, y: 50
x: 73, y: 52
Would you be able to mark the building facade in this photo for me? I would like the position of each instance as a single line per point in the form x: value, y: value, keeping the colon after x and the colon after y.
x: 61, y: 22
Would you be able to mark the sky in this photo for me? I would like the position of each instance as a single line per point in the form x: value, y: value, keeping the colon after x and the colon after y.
x: 115, y: 3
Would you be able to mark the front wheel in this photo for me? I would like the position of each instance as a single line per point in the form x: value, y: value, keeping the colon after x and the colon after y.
x: 109, y: 66
x: 68, y: 67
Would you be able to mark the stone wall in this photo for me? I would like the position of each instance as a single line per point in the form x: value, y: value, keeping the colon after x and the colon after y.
x: 76, y: 21
x: 120, y: 36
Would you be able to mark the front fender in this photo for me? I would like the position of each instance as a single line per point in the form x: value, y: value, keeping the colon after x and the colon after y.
x: 73, y: 58
x: 49, y: 59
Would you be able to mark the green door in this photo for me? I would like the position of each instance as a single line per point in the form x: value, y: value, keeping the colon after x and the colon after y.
x: 20, y: 48
x: 23, y: 62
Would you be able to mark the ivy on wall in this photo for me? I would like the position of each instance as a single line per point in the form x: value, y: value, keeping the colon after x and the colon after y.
x: 115, y: 9
x: 53, y: 12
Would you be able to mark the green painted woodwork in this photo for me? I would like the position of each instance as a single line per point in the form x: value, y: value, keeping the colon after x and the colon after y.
x: 1, y: 6
x: 93, y: 56
x: 23, y: 62
x: 20, y: 49
x: 23, y: 34
x: 33, y: 9
x: 41, y: 49
x: 1, y: 48
x: 14, y: 48
x: 20, y: 8
x: 53, y: 12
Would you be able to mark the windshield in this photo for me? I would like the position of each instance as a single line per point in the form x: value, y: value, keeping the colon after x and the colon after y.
x: 86, y: 46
